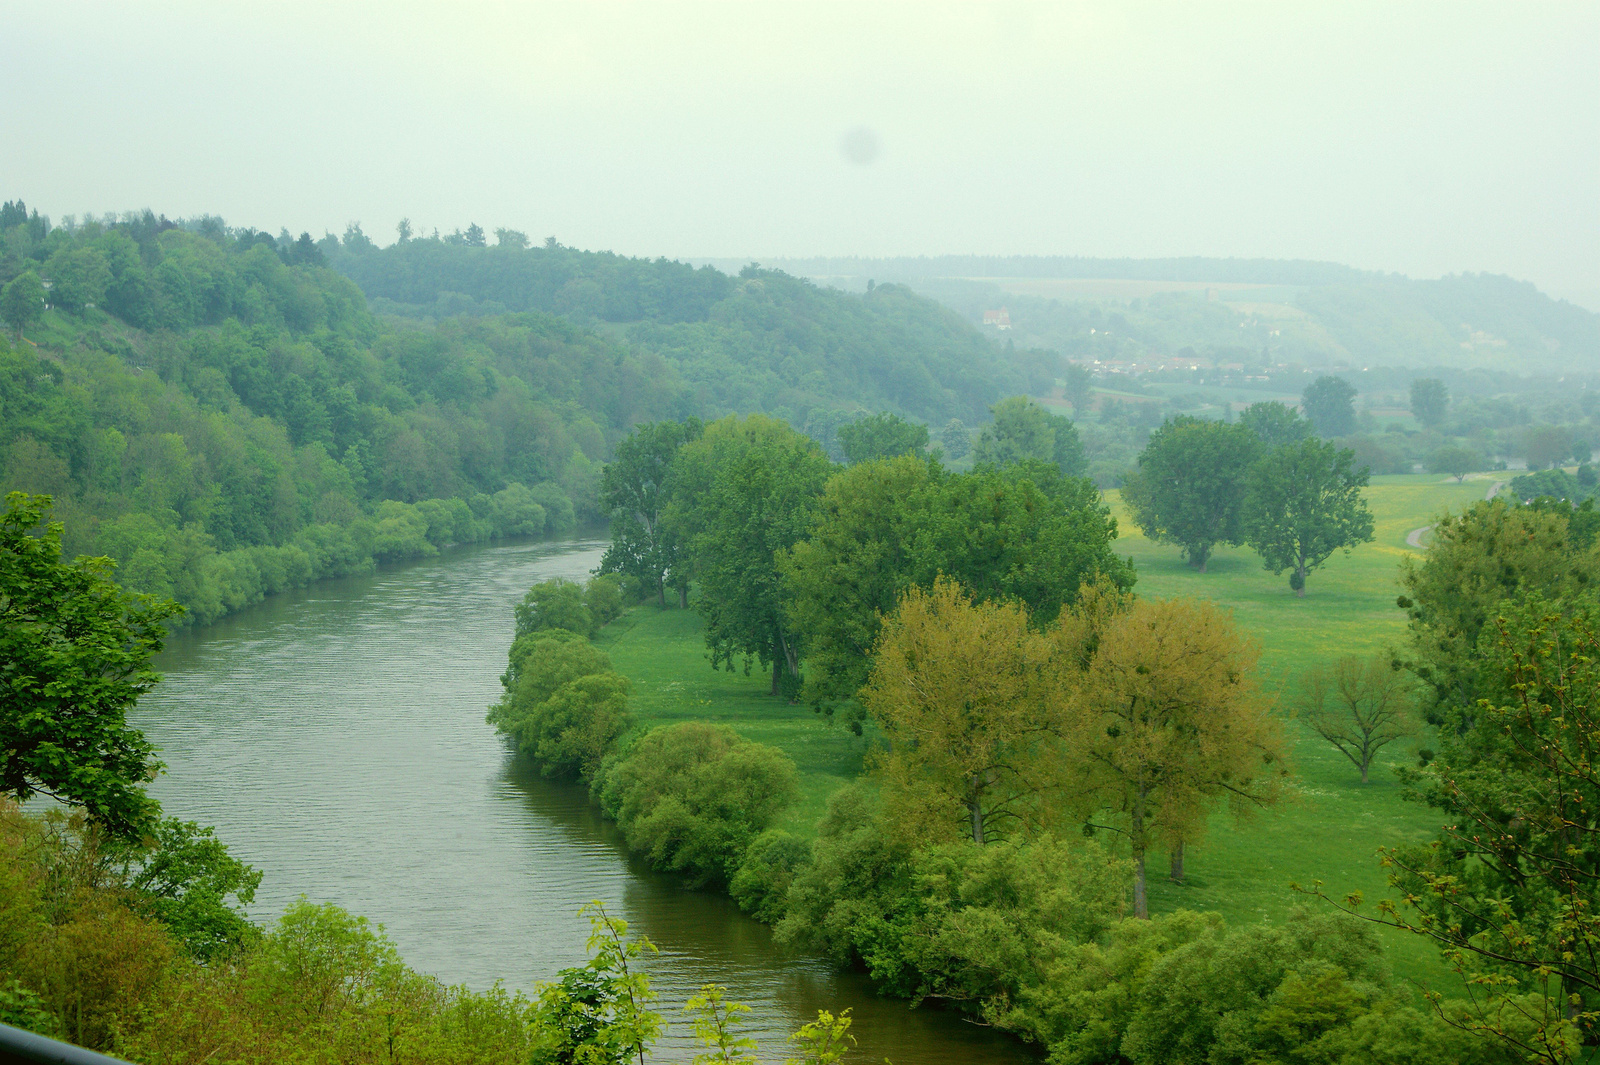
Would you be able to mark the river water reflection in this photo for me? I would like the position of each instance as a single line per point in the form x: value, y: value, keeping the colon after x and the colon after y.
x: 335, y: 738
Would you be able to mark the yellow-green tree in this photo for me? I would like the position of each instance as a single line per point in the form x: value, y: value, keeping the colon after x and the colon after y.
x: 1167, y: 719
x: 965, y: 693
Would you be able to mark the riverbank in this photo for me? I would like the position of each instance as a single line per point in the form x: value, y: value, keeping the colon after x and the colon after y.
x: 1331, y: 829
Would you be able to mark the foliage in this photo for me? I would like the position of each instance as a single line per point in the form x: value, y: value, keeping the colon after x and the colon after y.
x: 75, y: 653
x: 1454, y: 459
x: 22, y: 301
x: 1359, y: 705
x: 692, y: 796
x: 1169, y: 720
x: 634, y: 491
x: 716, y: 1024
x: 1302, y: 504
x: 741, y: 493
x: 564, y: 706
x: 183, y: 876
x: 1328, y: 406
x: 883, y: 528
x: 881, y: 436
x: 599, y: 1014
x: 761, y: 886
x: 962, y: 691
x: 556, y: 604
x: 1430, y: 401
x: 1023, y: 430
x: 1489, y: 553
x: 1275, y: 424
x: 1190, y: 486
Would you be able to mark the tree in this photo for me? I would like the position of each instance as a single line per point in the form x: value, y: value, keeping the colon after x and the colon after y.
x: 1491, y: 552
x: 692, y: 796
x: 555, y: 604
x: 882, y: 436
x: 741, y: 493
x: 1189, y: 488
x: 1024, y: 430
x: 1328, y: 404
x: 1430, y: 401
x: 633, y: 493
x: 962, y: 691
x: 1454, y: 459
x: 474, y: 236
x: 1167, y: 718
x: 1302, y: 504
x: 1508, y: 890
x: 1275, y: 424
x: 955, y: 439
x: 1546, y: 445
x: 1360, y: 705
x: 75, y: 654
x: 22, y: 301
x: 885, y: 527
x: 1077, y: 384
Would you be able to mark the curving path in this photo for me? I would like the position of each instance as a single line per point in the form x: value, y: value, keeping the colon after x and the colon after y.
x: 1414, y: 537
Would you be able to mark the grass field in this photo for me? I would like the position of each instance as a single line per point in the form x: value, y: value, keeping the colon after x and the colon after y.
x: 1330, y: 830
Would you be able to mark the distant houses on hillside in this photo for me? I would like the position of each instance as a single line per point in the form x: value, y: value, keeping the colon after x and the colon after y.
x: 1000, y: 319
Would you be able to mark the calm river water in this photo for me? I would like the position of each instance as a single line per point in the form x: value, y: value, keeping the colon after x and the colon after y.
x: 335, y: 738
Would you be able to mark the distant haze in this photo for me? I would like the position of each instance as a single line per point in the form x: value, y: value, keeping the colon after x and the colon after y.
x: 1419, y: 138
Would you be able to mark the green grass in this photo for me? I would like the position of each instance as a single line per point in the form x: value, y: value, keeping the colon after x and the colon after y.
x: 1331, y: 829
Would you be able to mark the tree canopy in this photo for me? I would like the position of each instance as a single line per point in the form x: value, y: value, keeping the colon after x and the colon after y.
x: 1328, y: 405
x: 1190, y: 485
x: 1302, y: 504
x: 75, y: 653
x: 1022, y: 430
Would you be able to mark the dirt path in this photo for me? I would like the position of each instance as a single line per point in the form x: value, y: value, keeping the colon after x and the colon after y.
x: 1414, y: 537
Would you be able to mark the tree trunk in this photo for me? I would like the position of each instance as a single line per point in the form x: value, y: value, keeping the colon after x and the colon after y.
x: 1300, y: 592
x: 661, y: 586
x: 975, y: 808
x: 1176, y: 873
x: 777, y: 672
x: 1141, y: 906
x: 1364, y: 764
x: 683, y: 596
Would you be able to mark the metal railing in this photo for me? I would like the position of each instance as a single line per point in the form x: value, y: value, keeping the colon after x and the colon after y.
x: 17, y: 1045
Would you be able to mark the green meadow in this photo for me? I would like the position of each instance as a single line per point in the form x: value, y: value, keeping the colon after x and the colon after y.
x: 1330, y: 829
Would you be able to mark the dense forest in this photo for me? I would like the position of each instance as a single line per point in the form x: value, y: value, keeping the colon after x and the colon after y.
x: 221, y: 412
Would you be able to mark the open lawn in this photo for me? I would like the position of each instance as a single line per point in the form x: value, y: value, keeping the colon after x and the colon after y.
x: 1332, y: 828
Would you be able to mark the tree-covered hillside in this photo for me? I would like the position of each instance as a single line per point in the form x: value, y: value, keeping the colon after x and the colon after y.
x: 220, y: 410
x: 1321, y: 314
x: 761, y: 341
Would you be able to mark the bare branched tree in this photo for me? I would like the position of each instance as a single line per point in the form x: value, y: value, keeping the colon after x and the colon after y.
x: 1360, y: 705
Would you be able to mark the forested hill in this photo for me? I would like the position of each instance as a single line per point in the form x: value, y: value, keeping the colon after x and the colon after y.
x: 1321, y: 314
x: 220, y: 411
x: 759, y: 341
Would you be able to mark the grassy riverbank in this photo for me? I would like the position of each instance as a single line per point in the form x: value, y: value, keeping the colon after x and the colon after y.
x: 1330, y: 831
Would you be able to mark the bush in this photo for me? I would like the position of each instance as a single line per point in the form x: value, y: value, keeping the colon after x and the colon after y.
x: 564, y: 705
x: 602, y: 596
x: 692, y: 796
x: 555, y: 604
x: 761, y: 886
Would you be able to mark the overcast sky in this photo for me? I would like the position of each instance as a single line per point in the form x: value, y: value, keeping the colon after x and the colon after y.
x: 1420, y: 138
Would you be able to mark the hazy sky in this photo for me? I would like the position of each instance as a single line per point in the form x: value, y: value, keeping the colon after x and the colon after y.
x: 1421, y: 138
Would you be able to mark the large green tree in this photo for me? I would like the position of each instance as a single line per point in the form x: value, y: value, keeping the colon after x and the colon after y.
x: 1189, y: 488
x: 1329, y: 405
x: 1275, y: 423
x: 633, y: 492
x: 1023, y: 430
x: 882, y: 436
x: 75, y: 653
x: 1302, y: 504
x: 744, y: 491
x: 1430, y: 401
x: 22, y: 301
x: 885, y: 527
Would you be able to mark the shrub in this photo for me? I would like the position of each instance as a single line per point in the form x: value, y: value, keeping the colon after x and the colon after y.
x: 555, y: 604
x: 692, y: 796
x: 761, y: 885
x: 564, y: 705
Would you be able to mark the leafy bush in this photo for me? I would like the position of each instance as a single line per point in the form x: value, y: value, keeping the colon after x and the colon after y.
x: 556, y: 604
x: 692, y: 796
x: 761, y: 886
x: 564, y: 705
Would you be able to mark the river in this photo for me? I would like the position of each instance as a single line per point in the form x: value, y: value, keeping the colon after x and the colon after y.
x: 335, y: 738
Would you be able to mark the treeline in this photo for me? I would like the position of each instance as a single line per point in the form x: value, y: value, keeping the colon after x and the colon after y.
x: 762, y: 341
x: 221, y: 414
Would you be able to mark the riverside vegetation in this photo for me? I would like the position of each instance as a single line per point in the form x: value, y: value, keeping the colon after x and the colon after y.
x: 1032, y: 730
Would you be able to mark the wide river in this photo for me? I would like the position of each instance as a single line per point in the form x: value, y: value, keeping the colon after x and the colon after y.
x: 335, y: 738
